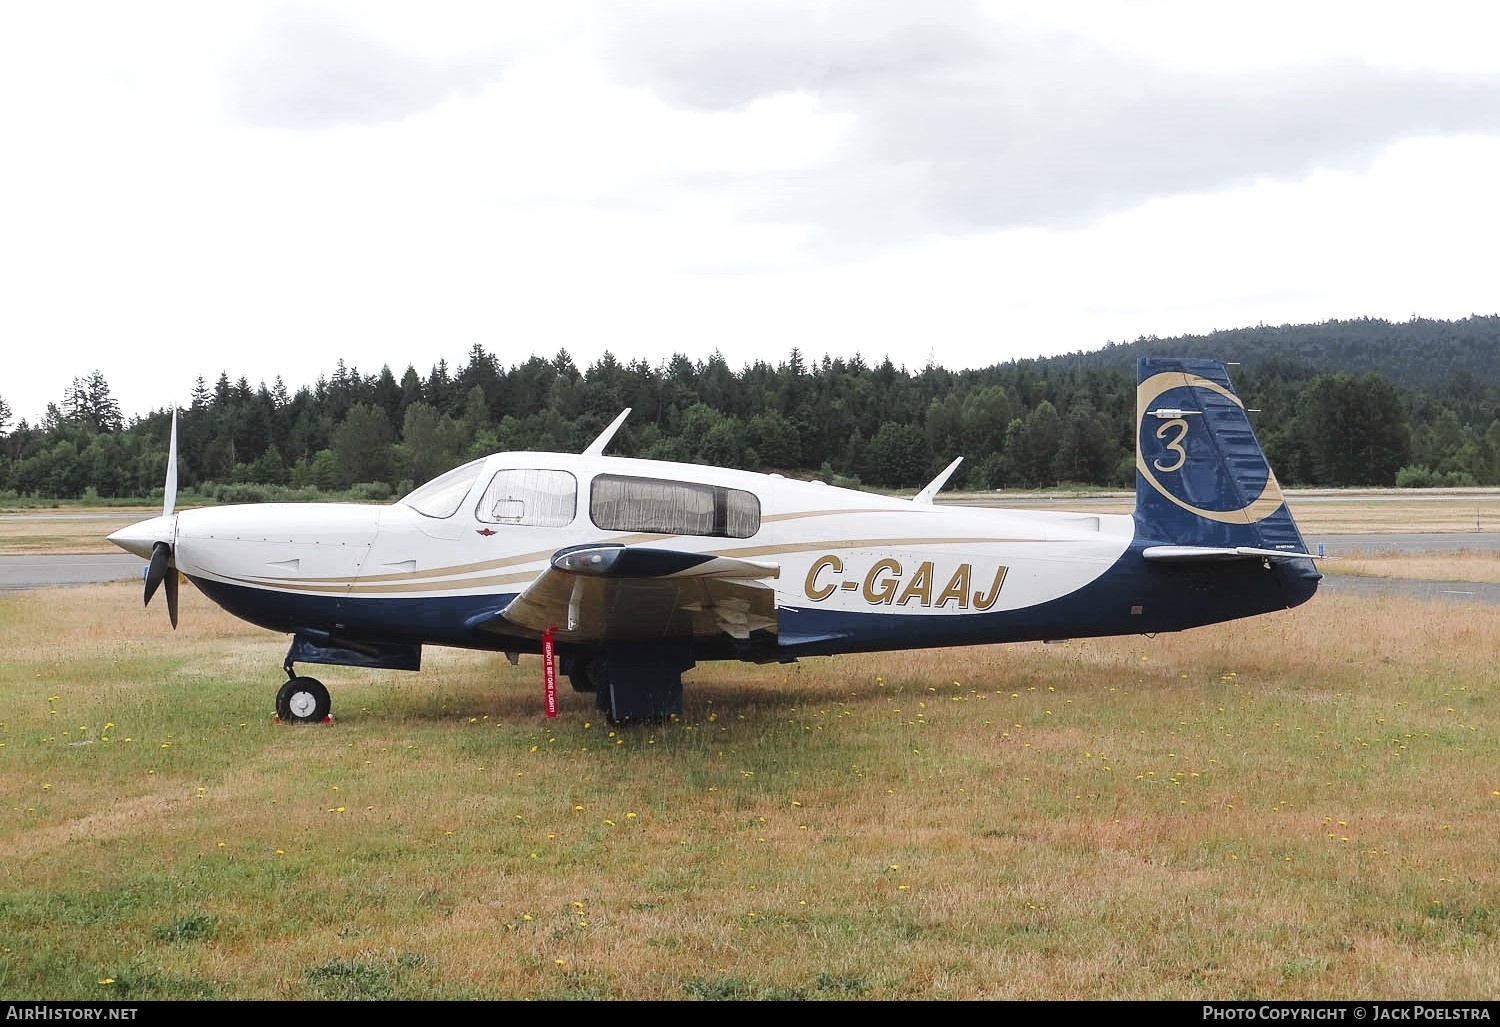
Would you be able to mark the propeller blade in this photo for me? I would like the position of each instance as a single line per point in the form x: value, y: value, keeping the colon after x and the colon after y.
x: 172, y: 580
x: 156, y: 571
x: 169, y: 489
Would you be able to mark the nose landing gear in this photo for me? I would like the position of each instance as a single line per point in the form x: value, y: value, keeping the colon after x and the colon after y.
x: 303, y: 700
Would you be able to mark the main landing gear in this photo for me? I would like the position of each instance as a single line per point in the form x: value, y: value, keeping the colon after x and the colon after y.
x: 631, y: 682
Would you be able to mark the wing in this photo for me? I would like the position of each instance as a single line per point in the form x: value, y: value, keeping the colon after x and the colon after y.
x: 604, y: 592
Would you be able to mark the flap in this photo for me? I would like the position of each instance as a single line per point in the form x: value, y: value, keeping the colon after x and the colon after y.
x: 615, y: 592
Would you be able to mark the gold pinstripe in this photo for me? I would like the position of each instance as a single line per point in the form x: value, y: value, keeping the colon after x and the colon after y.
x: 451, y: 581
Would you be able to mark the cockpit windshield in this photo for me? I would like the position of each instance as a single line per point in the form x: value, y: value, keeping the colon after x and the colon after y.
x: 441, y: 496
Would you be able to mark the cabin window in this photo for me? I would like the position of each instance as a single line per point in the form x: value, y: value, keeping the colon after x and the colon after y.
x: 441, y: 496
x: 537, y: 498
x: 618, y: 503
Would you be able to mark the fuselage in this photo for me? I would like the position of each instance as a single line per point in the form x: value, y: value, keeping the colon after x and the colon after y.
x: 854, y: 571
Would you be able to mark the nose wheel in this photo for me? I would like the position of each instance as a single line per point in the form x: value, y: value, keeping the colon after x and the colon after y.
x: 303, y: 700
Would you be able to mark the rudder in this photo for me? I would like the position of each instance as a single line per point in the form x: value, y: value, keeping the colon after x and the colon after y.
x: 1202, y: 478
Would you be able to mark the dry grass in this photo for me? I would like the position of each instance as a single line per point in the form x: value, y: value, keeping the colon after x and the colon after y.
x: 1463, y: 565
x: 1318, y: 512
x: 1299, y: 806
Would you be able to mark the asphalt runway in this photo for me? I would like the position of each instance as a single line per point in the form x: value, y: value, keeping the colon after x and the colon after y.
x: 20, y: 573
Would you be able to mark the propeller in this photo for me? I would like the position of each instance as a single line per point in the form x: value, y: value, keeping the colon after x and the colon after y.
x: 161, y: 569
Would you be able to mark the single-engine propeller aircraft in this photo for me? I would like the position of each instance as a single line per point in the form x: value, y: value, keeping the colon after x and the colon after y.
x: 629, y: 572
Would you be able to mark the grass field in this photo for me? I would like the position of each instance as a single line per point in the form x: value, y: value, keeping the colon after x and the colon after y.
x: 1299, y: 806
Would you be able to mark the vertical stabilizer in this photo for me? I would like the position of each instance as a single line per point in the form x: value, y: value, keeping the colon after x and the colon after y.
x: 1202, y: 478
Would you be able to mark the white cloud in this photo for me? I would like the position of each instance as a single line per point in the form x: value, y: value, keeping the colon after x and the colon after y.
x: 266, y: 189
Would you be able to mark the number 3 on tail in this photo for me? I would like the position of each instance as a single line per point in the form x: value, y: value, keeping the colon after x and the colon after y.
x: 1181, y: 425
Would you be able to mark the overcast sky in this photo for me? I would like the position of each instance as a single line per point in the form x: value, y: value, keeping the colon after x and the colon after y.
x: 265, y: 188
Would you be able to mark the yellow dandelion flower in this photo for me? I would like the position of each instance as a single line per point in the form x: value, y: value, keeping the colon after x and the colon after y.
x: 106, y: 980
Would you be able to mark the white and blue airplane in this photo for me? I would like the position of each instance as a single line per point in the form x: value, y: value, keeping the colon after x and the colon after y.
x: 625, y: 573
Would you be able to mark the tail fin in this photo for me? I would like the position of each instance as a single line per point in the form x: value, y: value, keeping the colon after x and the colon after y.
x: 1201, y: 478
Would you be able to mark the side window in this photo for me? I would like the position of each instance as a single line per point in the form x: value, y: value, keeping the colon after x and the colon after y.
x: 618, y: 503
x: 544, y: 499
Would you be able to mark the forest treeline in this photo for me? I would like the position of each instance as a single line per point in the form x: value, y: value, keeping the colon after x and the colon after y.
x: 1347, y: 403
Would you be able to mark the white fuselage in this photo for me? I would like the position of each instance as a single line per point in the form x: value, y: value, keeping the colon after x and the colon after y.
x: 836, y: 549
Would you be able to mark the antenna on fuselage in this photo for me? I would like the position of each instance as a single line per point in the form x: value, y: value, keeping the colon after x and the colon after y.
x: 925, y: 496
x: 596, y: 448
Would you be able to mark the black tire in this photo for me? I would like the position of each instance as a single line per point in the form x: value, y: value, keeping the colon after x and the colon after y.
x: 585, y: 674
x: 303, y: 701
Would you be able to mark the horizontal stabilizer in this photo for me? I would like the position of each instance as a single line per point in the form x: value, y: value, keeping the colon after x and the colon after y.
x: 1203, y: 554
